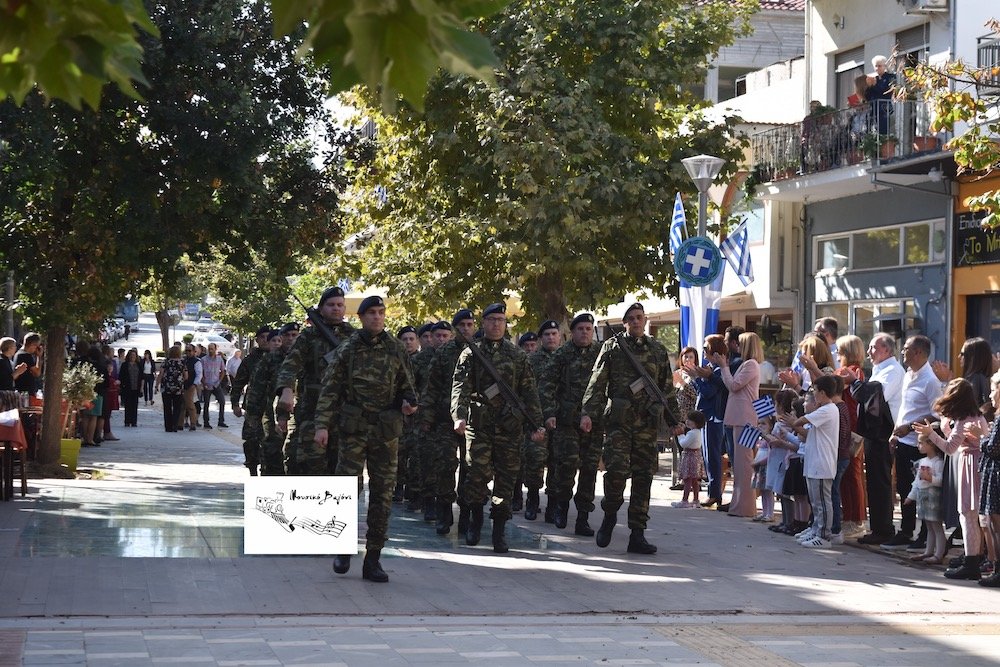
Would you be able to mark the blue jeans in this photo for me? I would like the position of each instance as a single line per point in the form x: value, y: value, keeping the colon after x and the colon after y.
x: 712, y: 446
x: 838, y: 510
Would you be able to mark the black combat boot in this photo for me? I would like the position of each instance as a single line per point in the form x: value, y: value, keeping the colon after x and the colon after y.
x: 637, y: 543
x: 607, y: 526
x: 517, y: 502
x: 371, y: 569
x: 582, y: 525
x: 475, y: 528
x: 550, y: 510
x: 463, y: 517
x: 341, y: 564
x: 531, y: 505
x: 968, y: 570
x: 559, y: 515
x: 499, y: 541
x: 397, y: 493
x: 430, y: 509
x: 444, y: 517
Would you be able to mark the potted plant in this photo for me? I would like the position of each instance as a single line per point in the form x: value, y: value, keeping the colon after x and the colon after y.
x: 875, y: 145
x: 78, y: 391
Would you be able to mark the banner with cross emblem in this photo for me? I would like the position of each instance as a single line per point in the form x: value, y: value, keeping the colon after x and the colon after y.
x: 698, y: 261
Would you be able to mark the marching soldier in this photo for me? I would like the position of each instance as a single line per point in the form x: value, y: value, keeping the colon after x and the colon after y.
x: 536, y: 456
x: 493, y: 427
x: 446, y: 448
x: 407, y: 443
x: 529, y: 343
x: 301, y: 371
x: 560, y: 389
x: 369, y: 388
x: 253, y: 431
x: 260, y: 400
x: 417, y: 474
x: 618, y: 390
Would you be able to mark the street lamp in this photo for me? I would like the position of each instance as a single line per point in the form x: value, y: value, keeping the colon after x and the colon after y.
x: 703, y: 169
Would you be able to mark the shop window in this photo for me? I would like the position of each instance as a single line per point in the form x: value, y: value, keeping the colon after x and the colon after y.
x: 882, y: 248
x: 834, y: 254
x: 916, y: 244
x: 876, y: 249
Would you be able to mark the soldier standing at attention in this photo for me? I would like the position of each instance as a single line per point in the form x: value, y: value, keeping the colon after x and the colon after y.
x: 416, y: 473
x: 411, y: 343
x: 560, y: 389
x: 253, y: 432
x: 529, y: 343
x: 302, y: 371
x: 493, y: 428
x: 260, y: 403
x: 617, y: 390
x: 536, y: 455
x: 445, y: 447
x: 369, y: 388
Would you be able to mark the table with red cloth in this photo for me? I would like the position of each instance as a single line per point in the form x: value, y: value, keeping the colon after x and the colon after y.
x: 11, y: 439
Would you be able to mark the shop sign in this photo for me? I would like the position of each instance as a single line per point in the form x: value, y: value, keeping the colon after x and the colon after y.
x: 973, y: 244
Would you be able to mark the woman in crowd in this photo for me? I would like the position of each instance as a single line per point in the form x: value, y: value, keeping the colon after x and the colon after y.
x: 93, y: 419
x: 712, y: 397
x: 744, y: 388
x: 850, y: 493
x: 171, y: 384
x: 111, y: 393
x: 130, y: 377
x: 148, y: 377
x: 989, y: 482
x: 9, y: 372
x: 815, y: 357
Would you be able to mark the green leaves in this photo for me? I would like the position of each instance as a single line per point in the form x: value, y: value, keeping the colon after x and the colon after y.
x: 71, y: 48
x: 392, y: 46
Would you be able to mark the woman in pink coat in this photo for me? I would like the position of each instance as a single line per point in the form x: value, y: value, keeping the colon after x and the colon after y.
x: 744, y: 386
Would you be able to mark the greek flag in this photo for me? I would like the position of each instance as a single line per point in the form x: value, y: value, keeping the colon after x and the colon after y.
x: 749, y: 436
x: 736, y: 250
x: 764, y: 407
x: 678, y: 225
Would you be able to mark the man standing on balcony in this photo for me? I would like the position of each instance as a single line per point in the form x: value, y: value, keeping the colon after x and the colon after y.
x: 879, y: 93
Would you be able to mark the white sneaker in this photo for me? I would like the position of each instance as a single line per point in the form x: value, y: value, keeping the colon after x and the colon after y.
x: 807, y: 535
x: 680, y: 504
x: 837, y: 538
x: 816, y: 543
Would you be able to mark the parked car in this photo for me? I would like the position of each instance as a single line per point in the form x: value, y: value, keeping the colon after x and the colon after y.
x: 204, y: 324
x: 225, y: 347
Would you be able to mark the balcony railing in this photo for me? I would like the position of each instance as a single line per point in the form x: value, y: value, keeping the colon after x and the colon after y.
x: 988, y: 56
x: 880, y: 131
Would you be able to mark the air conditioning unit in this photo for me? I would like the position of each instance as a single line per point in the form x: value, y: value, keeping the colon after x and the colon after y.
x: 924, y: 6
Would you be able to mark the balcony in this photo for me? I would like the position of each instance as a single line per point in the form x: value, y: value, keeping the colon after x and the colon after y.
x: 867, y: 135
x: 988, y: 56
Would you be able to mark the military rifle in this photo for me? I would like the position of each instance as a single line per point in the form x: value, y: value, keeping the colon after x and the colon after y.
x: 509, y: 395
x: 647, y: 385
x: 317, y: 321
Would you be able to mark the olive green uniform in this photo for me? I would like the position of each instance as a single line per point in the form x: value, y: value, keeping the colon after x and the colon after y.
x: 536, y: 455
x: 260, y: 408
x: 253, y: 432
x: 411, y: 446
x: 443, y: 445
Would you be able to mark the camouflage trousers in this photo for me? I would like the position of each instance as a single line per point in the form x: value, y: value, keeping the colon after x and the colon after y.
x: 444, y: 456
x: 535, y: 456
x: 492, y: 454
x: 302, y: 455
x: 272, y: 461
x: 408, y: 463
x: 252, y: 434
x: 368, y: 446
x: 630, y: 451
x: 573, y: 452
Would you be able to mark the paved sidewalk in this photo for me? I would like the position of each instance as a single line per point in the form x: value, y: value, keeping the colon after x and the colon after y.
x: 143, y: 565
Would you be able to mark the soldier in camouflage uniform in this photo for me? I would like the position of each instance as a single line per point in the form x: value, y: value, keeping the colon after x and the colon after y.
x: 301, y: 371
x: 416, y: 473
x: 368, y: 387
x: 536, y: 456
x: 529, y: 343
x: 493, y: 428
x: 253, y: 432
x: 407, y: 443
x: 631, y: 420
x: 560, y: 389
x: 260, y: 401
x: 446, y: 449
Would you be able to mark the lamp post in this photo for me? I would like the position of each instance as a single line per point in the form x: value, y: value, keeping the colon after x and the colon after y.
x: 703, y: 169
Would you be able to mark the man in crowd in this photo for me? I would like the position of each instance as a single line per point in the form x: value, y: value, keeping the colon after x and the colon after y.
x: 30, y: 354
x: 213, y: 369
x: 368, y: 387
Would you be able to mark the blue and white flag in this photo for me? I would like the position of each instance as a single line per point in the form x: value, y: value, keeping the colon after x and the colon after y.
x: 678, y: 226
x: 736, y: 250
x: 764, y: 407
x: 749, y: 436
x: 700, y: 312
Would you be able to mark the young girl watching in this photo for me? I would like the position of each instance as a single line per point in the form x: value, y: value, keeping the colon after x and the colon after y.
x: 926, y: 493
x: 692, y: 468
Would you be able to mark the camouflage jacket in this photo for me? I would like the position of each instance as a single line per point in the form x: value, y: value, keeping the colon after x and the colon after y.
x: 370, y: 373
x: 421, y: 365
x: 305, y: 363
x: 563, y: 381
x: 471, y: 386
x: 260, y: 392
x: 244, y: 374
x: 539, y: 360
x: 610, y: 390
x: 435, y: 396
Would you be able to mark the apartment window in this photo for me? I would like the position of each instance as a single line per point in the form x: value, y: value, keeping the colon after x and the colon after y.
x: 848, y: 65
x: 882, y: 248
x: 729, y: 81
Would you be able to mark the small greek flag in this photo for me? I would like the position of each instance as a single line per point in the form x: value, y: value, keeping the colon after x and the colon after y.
x: 764, y: 407
x: 678, y: 225
x: 749, y: 436
x: 736, y: 250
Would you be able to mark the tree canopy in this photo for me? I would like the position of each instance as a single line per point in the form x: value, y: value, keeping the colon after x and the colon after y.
x: 558, y: 183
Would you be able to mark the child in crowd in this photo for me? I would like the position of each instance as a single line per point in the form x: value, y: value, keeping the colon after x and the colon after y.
x: 820, y: 464
x: 794, y: 485
x: 926, y: 493
x: 692, y: 467
x: 783, y: 444
x: 760, y: 466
